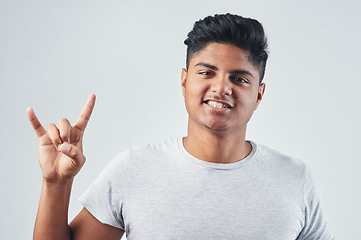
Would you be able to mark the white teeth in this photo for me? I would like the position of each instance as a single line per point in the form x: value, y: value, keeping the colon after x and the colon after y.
x: 216, y: 104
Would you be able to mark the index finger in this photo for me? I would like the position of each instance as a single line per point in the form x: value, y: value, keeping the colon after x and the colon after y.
x: 39, y: 129
x: 85, y: 113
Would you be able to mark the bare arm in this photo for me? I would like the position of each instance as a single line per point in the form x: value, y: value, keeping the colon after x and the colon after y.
x: 85, y: 226
x: 61, y: 158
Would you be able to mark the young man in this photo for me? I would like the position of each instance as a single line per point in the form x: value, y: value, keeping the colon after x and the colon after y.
x: 211, y: 184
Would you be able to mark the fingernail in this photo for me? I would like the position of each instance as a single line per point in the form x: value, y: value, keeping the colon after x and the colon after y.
x: 65, y: 148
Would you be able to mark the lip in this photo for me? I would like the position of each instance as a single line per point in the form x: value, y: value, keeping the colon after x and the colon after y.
x: 229, y: 105
x: 218, y: 110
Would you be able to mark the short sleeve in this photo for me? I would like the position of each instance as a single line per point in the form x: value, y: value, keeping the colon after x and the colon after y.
x: 104, y: 197
x: 315, y: 224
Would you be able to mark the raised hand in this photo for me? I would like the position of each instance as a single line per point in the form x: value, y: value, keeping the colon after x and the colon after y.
x: 60, y: 148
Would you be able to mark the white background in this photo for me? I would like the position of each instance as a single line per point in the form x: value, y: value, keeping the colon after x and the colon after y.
x: 130, y: 54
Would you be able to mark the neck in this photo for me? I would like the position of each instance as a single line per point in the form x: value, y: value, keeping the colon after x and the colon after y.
x: 217, y: 146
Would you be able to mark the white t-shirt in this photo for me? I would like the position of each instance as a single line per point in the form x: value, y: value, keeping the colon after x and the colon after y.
x: 160, y: 191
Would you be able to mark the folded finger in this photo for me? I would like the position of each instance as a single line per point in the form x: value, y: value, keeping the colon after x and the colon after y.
x: 35, y: 123
x: 64, y: 130
x: 85, y: 113
x: 53, y: 134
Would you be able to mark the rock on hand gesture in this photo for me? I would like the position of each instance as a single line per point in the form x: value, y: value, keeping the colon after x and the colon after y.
x: 60, y: 148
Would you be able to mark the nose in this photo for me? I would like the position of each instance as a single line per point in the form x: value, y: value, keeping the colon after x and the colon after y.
x: 222, y: 86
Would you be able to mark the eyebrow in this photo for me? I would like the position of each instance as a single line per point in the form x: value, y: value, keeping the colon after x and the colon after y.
x: 207, y: 65
x: 242, y: 72
x: 236, y: 71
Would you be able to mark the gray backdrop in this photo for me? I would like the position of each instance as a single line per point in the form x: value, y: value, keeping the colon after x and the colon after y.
x: 130, y: 54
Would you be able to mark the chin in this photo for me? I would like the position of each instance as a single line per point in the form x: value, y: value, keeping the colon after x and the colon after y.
x: 216, y: 127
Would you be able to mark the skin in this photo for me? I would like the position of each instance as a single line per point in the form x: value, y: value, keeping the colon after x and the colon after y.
x: 219, y: 73
x: 61, y: 158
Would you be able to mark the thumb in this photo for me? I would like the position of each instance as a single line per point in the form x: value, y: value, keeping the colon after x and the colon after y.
x: 73, y: 152
x: 64, y: 147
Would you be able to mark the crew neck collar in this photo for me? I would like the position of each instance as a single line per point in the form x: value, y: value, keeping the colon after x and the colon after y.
x: 220, y: 166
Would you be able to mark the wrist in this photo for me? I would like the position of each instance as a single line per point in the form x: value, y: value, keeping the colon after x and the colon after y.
x: 58, y: 191
x: 58, y: 181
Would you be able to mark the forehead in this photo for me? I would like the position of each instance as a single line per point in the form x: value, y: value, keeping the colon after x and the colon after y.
x: 224, y: 56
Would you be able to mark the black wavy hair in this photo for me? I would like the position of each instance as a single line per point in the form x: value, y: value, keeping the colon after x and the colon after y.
x: 245, y: 33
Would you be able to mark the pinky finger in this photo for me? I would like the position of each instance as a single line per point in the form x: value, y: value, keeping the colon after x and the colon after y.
x: 39, y: 129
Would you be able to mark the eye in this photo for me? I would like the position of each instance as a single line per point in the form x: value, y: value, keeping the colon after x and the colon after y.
x: 206, y: 73
x: 239, y: 80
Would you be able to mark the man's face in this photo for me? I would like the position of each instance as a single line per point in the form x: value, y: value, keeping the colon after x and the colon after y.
x: 221, y: 88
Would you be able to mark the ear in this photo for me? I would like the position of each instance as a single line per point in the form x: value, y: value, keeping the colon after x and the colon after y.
x: 183, y: 81
x: 260, y: 93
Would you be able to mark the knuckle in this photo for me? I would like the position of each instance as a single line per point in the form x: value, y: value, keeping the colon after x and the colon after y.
x: 53, y: 133
x: 72, y: 154
x: 50, y: 126
x: 64, y: 121
x: 84, y: 116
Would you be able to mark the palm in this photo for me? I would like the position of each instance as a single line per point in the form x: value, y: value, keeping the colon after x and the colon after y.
x: 55, y: 164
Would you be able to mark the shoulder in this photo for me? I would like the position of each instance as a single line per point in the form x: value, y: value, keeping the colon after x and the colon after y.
x: 138, y: 161
x: 275, y: 157
x: 279, y: 162
x: 150, y: 153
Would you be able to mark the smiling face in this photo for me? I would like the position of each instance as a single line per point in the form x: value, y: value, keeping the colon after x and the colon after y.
x: 221, y: 88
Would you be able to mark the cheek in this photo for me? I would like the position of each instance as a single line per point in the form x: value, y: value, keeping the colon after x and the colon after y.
x: 195, y: 89
x: 247, y: 100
